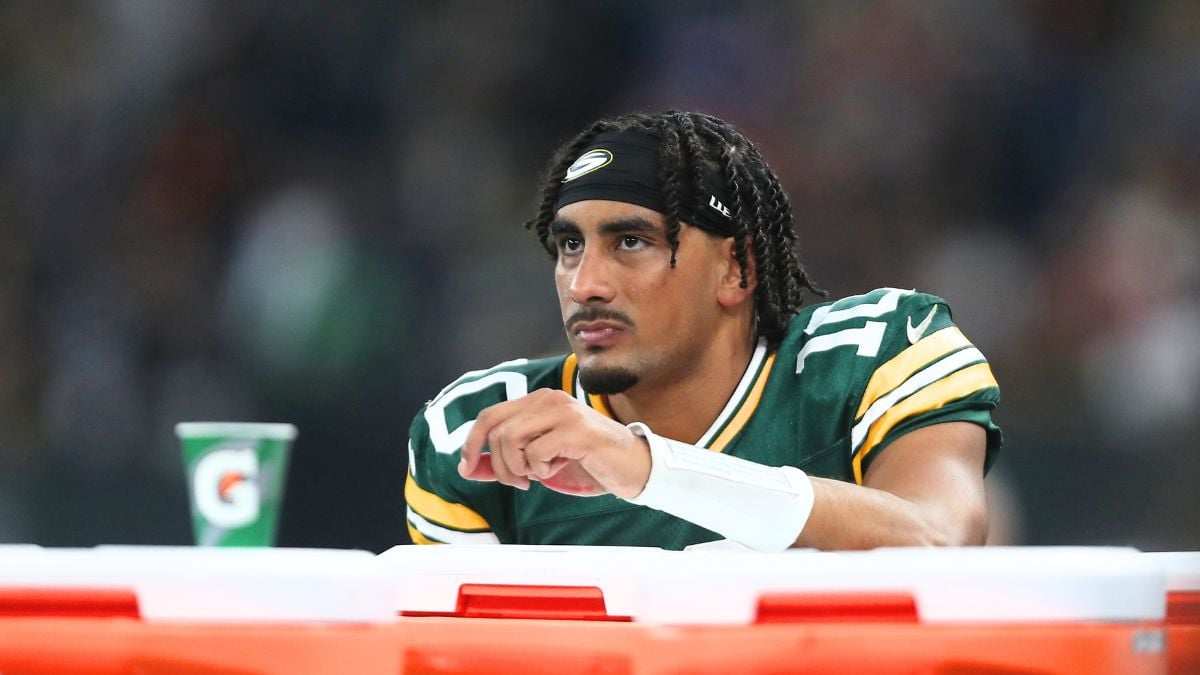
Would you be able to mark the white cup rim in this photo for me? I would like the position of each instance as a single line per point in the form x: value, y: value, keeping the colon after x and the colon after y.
x: 282, y: 431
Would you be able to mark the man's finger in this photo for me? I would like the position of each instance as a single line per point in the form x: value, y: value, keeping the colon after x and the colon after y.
x: 543, y: 454
x: 485, y: 422
x: 511, y: 439
x: 561, y: 474
x: 481, y: 472
x: 504, y: 474
x: 505, y: 430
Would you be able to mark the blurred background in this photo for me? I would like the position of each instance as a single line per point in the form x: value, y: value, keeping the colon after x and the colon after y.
x: 311, y: 212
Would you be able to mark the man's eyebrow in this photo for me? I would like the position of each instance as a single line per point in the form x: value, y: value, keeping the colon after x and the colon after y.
x: 563, y: 226
x: 628, y: 225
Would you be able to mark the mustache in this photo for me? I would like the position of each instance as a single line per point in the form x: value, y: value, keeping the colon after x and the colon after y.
x: 596, y: 314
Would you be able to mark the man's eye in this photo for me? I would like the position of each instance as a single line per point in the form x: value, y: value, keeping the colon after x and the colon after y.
x: 631, y: 243
x: 570, y: 244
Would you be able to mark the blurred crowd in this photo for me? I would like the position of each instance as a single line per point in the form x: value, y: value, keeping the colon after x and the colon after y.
x: 311, y: 212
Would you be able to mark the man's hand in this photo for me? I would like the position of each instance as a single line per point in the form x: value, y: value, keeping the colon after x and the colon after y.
x: 551, y: 437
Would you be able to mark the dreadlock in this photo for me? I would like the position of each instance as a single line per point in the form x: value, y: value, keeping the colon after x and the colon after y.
x: 690, y: 145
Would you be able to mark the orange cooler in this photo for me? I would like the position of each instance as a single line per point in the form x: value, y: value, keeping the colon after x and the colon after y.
x: 1183, y: 609
x: 530, y: 610
x: 165, y: 610
x: 535, y: 610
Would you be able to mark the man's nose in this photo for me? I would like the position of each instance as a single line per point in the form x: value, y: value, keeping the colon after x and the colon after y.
x: 591, y: 279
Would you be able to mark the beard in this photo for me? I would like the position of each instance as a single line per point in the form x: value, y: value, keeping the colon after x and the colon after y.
x: 607, y: 380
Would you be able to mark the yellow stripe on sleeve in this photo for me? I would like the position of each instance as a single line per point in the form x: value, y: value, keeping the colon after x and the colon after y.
x: 898, y: 369
x: 951, y: 388
x: 434, y: 508
x: 418, y: 538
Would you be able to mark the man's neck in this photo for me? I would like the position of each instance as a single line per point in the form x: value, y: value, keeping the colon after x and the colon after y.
x: 684, y: 407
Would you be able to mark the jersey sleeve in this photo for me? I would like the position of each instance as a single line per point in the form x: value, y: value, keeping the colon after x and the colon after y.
x: 928, y: 372
x: 919, y: 370
x: 438, y: 512
x: 442, y: 506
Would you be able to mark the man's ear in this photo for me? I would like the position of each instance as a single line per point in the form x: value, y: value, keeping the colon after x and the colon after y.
x: 730, y: 292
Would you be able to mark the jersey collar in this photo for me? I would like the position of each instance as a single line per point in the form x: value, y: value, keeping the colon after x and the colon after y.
x: 733, y: 417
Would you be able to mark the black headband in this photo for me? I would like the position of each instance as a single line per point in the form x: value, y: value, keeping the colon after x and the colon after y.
x: 623, y: 166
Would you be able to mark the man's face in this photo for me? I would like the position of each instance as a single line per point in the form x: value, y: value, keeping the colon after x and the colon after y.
x: 630, y: 317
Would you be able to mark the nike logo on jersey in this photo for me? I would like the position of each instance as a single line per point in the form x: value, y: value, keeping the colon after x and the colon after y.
x: 915, y: 332
x: 587, y: 163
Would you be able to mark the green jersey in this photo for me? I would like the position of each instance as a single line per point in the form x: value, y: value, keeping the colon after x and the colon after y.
x: 849, y: 378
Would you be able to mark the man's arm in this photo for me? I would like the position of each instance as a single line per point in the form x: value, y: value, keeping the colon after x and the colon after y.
x: 925, y: 490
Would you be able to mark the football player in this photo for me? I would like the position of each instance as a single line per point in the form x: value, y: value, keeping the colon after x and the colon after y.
x: 700, y: 401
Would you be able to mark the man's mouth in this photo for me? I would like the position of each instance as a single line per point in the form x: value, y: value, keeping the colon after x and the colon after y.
x: 597, y: 334
x: 597, y: 327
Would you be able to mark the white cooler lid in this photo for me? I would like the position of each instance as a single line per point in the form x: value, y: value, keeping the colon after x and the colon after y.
x: 428, y: 578
x: 1183, y: 569
x: 195, y: 584
x: 957, y: 585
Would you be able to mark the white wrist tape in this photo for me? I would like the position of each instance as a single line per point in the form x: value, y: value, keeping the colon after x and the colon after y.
x: 763, y: 507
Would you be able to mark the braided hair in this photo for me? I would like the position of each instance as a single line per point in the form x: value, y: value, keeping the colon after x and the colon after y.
x: 692, y: 144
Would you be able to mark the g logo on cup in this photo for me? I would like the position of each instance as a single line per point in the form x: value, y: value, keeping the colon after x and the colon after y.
x: 226, y: 487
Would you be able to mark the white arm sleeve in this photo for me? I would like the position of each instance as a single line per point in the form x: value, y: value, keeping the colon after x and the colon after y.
x: 762, y: 507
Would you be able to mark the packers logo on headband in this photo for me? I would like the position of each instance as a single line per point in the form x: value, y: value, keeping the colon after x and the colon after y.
x: 587, y: 163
